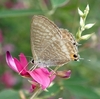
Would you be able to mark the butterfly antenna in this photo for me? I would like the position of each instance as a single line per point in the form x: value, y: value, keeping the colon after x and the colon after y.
x: 79, y: 44
x: 81, y: 58
x: 84, y: 59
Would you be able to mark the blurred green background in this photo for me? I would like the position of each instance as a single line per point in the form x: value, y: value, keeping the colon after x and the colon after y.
x: 15, y: 23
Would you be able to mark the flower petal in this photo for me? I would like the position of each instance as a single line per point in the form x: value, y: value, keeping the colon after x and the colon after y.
x: 64, y: 74
x: 23, y: 60
x: 22, y: 71
x: 32, y: 88
x: 10, y: 61
x: 41, y: 76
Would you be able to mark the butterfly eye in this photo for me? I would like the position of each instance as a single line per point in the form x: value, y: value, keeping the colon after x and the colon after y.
x: 32, y: 61
x: 74, y: 43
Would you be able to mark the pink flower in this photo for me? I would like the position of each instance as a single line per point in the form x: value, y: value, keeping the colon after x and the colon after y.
x: 16, y: 65
x: 8, y: 4
x: 64, y: 74
x: 41, y: 77
x: 19, y: 5
x: 8, y: 79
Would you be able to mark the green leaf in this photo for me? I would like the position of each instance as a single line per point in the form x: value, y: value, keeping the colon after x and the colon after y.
x: 78, y: 87
x: 75, y: 80
x: 82, y: 91
x: 13, y: 13
x: 9, y: 94
x: 52, y: 91
x: 57, y: 3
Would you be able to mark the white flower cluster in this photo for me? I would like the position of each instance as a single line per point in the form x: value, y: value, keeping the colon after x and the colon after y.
x: 83, y: 26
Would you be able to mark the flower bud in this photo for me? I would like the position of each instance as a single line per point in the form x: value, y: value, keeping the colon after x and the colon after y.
x: 87, y: 36
x: 64, y: 74
x: 88, y: 26
x: 81, y: 22
x: 80, y: 12
x: 86, y: 11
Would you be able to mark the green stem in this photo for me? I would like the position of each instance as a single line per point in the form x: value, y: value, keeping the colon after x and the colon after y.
x: 36, y: 93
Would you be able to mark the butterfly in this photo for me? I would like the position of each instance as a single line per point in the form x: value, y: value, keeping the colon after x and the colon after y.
x: 51, y: 45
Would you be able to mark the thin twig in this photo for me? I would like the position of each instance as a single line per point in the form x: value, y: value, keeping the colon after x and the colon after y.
x: 22, y: 94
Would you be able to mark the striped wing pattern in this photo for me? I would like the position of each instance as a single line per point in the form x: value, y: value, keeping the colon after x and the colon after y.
x: 50, y: 45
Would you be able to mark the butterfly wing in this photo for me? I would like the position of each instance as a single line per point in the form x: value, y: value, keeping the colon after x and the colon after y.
x: 47, y: 42
x: 43, y: 33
